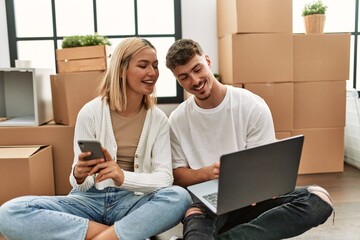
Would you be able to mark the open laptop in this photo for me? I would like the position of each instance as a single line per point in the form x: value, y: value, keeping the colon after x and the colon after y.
x: 252, y: 175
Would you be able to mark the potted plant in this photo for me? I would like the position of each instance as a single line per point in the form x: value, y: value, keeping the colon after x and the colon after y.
x: 314, y: 17
x: 83, y: 53
x: 85, y: 40
x: 217, y: 76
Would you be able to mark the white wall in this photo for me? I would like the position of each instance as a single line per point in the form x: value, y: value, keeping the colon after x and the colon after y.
x: 4, y: 42
x: 199, y: 23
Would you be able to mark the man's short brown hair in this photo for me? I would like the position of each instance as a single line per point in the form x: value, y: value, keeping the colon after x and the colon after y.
x: 181, y: 52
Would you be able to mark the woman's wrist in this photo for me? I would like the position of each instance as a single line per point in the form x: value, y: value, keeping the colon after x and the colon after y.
x: 79, y: 180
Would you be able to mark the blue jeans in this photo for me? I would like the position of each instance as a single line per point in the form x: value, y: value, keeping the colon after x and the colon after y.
x: 283, y: 217
x: 67, y: 217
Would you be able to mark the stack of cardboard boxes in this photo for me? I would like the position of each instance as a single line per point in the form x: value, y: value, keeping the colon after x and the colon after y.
x: 79, y: 72
x: 301, y: 77
x: 36, y: 159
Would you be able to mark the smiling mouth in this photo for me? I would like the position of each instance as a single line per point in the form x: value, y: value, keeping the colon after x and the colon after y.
x: 198, y: 87
x: 149, y: 82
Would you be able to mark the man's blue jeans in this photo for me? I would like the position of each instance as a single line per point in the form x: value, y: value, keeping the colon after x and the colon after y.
x: 282, y: 217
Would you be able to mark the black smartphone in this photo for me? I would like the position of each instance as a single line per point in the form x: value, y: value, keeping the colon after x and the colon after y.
x: 92, y: 146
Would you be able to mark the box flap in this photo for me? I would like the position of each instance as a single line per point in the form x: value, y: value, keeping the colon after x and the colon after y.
x: 18, y: 151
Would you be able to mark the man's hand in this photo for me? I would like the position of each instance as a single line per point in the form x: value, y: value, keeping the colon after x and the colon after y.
x: 213, y: 171
x: 185, y: 176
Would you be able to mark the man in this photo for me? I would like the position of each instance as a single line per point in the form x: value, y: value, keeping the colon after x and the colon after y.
x: 219, y: 119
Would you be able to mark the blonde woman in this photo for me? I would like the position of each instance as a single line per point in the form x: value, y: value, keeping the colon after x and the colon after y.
x: 128, y: 194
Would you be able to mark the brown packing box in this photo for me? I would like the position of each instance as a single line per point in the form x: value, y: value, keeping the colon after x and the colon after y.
x: 60, y: 137
x: 80, y: 59
x: 244, y: 16
x: 256, y: 58
x: 239, y: 85
x: 319, y: 104
x: 281, y: 135
x: 25, y: 170
x: 321, y: 57
x: 279, y: 97
x: 323, y: 150
x: 70, y: 91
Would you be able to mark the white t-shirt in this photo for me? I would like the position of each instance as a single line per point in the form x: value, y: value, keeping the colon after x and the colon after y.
x: 200, y: 136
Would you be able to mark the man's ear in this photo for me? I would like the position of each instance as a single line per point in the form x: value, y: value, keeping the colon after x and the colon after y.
x: 208, y: 60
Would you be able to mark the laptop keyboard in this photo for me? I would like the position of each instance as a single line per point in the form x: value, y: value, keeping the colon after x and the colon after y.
x: 212, y: 198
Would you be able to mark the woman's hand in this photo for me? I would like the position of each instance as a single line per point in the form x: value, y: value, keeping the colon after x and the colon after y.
x: 84, y: 167
x: 108, y: 169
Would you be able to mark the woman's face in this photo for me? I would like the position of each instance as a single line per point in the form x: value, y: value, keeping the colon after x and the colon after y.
x: 142, y: 72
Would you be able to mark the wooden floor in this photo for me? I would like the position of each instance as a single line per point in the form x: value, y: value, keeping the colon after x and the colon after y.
x: 345, y: 191
x: 344, y: 187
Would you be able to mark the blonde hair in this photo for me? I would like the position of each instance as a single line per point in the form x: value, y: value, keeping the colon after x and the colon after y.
x: 113, y: 85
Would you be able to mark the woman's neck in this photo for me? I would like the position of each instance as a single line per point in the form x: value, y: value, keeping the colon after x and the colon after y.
x: 134, y: 105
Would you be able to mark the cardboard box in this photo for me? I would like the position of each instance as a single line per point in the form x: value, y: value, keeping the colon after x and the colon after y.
x: 243, y: 16
x: 82, y: 59
x: 319, y: 104
x: 256, y: 58
x: 25, y: 170
x: 323, y: 150
x: 239, y: 85
x: 281, y: 135
x: 280, y: 98
x: 61, y: 139
x: 70, y: 91
x: 25, y: 96
x: 321, y: 57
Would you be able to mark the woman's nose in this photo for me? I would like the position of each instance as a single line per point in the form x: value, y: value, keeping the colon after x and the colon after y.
x: 152, y: 70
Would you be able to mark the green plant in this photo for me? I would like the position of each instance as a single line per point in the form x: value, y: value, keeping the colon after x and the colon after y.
x: 217, y: 76
x: 316, y: 7
x: 84, y: 40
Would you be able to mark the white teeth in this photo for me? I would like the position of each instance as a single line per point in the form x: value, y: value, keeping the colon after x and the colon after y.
x: 149, y: 82
x: 199, y: 87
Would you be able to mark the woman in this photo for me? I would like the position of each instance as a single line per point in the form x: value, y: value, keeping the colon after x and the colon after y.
x: 129, y: 193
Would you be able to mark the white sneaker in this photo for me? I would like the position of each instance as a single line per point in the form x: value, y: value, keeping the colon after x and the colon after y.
x: 175, y: 237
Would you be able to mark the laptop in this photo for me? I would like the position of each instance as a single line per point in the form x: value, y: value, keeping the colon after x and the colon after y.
x: 252, y: 175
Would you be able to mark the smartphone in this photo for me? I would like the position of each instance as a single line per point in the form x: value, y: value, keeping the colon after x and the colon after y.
x: 92, y: 146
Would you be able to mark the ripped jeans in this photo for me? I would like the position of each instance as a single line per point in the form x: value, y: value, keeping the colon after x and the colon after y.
x: 282, y: 217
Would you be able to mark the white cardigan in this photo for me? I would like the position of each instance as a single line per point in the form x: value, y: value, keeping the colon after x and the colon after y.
x: 152, y: 157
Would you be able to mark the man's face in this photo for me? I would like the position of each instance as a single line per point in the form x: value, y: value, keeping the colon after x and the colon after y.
x: 196, y: 76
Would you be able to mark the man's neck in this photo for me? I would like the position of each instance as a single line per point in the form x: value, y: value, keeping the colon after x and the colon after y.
x: 217, y: 95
